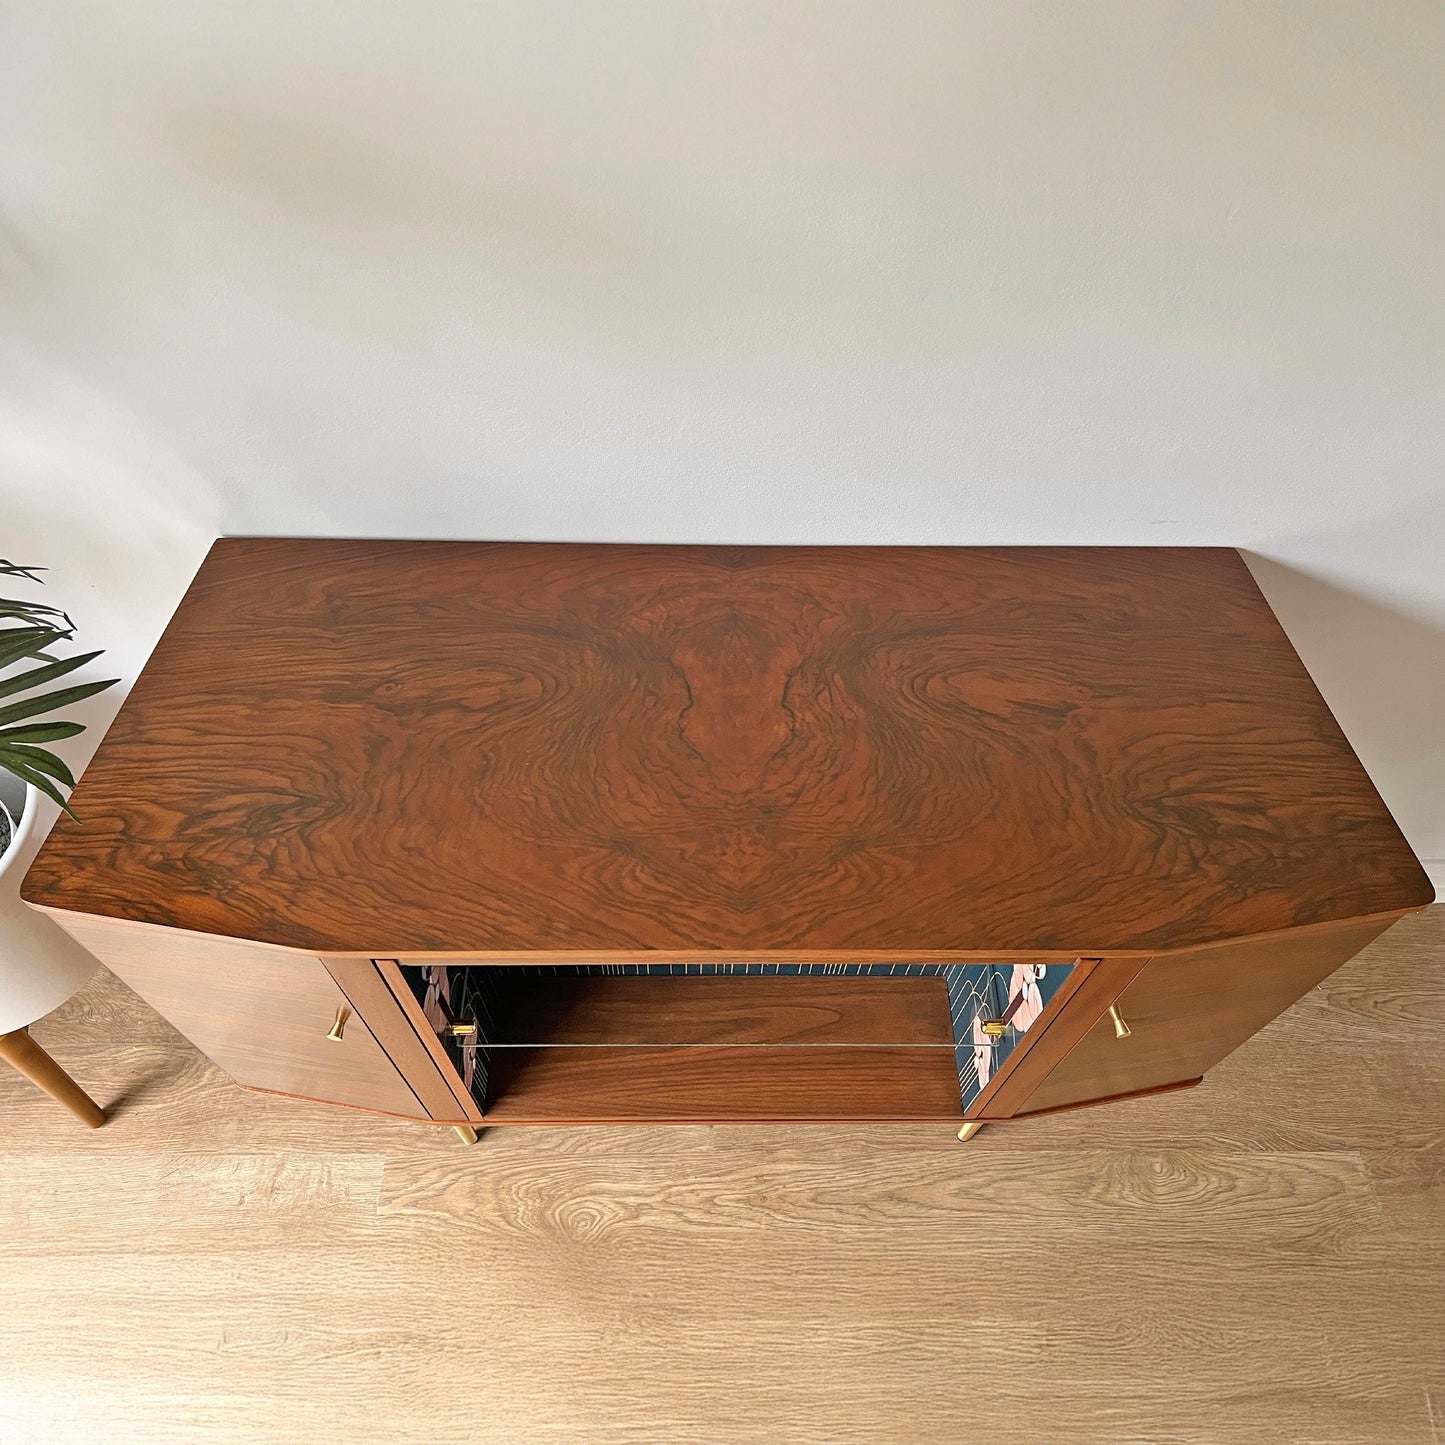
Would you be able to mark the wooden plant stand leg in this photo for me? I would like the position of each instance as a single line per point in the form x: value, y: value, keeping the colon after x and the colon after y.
x: 23, y: 1053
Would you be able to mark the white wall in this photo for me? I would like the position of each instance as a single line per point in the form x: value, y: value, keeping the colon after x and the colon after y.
x: 882, y: 272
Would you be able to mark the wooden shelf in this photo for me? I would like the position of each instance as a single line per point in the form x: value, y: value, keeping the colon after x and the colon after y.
x: 729, y: 1009
x: 720, y: 1085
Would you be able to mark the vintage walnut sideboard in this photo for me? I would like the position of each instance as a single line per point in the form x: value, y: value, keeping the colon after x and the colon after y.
x: 541, y: 833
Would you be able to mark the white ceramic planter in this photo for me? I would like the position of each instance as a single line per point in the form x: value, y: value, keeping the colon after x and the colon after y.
x: 22, y: 803
x: 40, y: 964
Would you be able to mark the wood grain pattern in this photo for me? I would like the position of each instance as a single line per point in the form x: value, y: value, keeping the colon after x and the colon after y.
x: 1295, y: 1202
x: 1092, y: 1103
x: 262, y: 1016
x: 1189, y: 1010
x: 1254, y: 1260
x: 721, y: 1009
x: 391, y: 748
x: 705, y: 1085
x: 24, y: 1055
x: 314, y: 1194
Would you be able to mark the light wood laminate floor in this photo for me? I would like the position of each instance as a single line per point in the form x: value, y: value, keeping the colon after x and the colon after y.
x: 1260, y: 1259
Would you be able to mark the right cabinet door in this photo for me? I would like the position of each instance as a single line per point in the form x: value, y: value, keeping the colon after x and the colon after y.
x: 1186, y: 1011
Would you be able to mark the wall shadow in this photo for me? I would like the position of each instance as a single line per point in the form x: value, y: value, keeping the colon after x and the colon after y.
x: 1382, y: 672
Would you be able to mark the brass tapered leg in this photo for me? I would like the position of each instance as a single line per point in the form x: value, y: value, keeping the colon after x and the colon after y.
x: 466, y: 1133
x: 969, y: 1130
x: 23, y: 1053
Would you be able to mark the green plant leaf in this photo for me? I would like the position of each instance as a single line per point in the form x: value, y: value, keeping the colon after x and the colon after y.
x: 28, y: 681
x: 50, y: 701
x: 39, y: 626
x: 40, y: 732
x: 27, y: 774
x: 29, y: 611
x: 19, y: 643
x: 42, y: 760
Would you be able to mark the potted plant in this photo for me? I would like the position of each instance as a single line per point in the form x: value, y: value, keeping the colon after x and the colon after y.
x: 29, y: 633
x: 40, y: 966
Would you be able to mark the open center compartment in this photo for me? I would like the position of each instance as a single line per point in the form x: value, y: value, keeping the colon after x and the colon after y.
x: 686, y: 1043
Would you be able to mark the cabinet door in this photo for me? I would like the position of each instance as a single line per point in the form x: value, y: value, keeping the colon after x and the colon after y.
x: 262, y: 1014
x: 1186, y: 1011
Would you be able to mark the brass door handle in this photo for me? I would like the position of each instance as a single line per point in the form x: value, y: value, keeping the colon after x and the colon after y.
x: 342, y: 1014
x: 1121, y: 1029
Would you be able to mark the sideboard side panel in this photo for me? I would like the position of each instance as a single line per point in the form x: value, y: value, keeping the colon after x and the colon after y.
x: 262, y: 1015
x: 1186, y: 1011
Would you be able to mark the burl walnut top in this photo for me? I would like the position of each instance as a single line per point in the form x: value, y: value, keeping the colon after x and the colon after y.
x: 399, y: 747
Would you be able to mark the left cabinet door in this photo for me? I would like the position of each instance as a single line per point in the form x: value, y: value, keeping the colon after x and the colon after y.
x: 262, y: 1014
